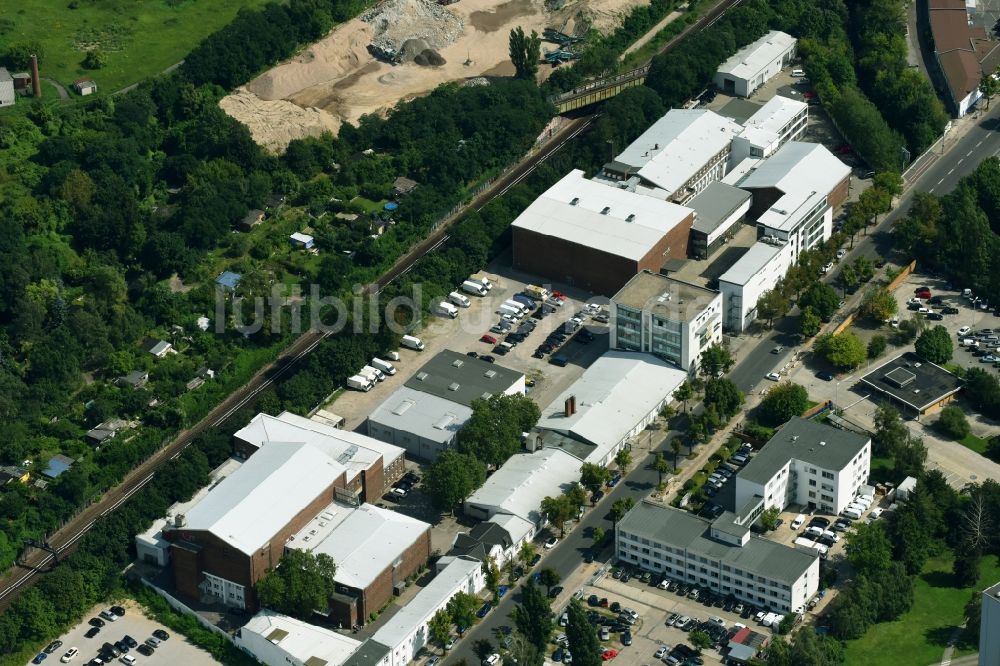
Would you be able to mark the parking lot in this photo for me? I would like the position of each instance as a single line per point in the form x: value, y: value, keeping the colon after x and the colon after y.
x: 463, y: 334
x: 176, y: 650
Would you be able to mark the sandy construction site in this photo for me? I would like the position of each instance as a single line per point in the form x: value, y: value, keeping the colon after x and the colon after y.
x: 337, y: 79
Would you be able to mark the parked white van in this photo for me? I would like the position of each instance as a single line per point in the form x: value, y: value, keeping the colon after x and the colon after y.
x: 412, y: 342
x: 853, y: 514
x: 384, y: 366
x: 459, y: 300
x: 799, y: 519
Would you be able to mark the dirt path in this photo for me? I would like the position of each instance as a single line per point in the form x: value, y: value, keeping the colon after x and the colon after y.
x: 59, y: 88
x: 653, y: 32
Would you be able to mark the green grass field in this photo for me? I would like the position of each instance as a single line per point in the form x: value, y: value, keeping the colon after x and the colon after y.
x: 141, y: 38
x: 977, y: 444
x: 920, y: 636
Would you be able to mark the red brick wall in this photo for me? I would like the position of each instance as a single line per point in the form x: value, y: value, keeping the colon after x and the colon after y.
x: 839, y: 193
x: 379, y: 592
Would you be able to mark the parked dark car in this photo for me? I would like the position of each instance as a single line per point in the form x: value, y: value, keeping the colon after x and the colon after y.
x: 825, y: 375
x: 93, y: 631
x: 129, y: 641
x: 486, y: 608
x: 597, y: 496
x: 949, y: 310
x: 52, y: 647
x: 145, y: 650
x: 95, y: 622
x: 555, y: 591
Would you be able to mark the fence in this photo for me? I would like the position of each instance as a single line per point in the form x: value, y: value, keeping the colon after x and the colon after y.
x: 181, y: 607
x: 903, y: 274
x: 817, y: 409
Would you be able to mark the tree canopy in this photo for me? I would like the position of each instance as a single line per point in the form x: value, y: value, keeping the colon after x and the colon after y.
x: 452, y: 478
x: 782, y: 402
x: 844, y: 350
x: 525, y: 53
x: 935, y: 345
x: 300, y: 584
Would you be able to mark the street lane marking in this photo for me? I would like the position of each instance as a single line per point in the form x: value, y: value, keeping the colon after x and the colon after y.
x: 949, y: 173
x: 961, y: 160
x: 940, y: 181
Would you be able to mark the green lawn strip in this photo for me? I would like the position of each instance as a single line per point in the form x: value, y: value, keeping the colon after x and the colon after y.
x: 140, y: 39
x: 368, y: 205
x: 977, y: 444
x: 920, y: 636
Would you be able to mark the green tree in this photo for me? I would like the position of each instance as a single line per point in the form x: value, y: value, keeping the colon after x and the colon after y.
x: 577, y: 495
x: 716, y: 361
x: 723, y: 395
x: 594, y: 476
x: 598, y: 536
x: 493, y: 433
x: 452, y: 478
x: 879, y: 304
x: 675, y: 446
x: 683, y: 393
x: 582, y: 637
x: 769, y: 518
x: 462, y: 609
x: 783, y: 401
x: 700, y: 640
x: 623, y: 459
x: 910, y: 458
x: 952, y: 423
x: 934, y: 345
x: 661, y: 466
x: 525, y: 53
x: 557, y: 510
x: 771, y: 305
x: 491, y: 573
x: 620, y: 507
x: 95, y: 59
x: 439, y: 628
x: 809, y: 322
x: 876, y: 346
x: 868, y: 548
x: 889, y: 181
x: 300, y: 584
x: 533, y: 615
x: 890, y: 431
x: 482, y: 648
x: 526, y: 553
x: 549, y: 577
x: 844, y: 350
x: 822, y: 298
x: 989, y: 86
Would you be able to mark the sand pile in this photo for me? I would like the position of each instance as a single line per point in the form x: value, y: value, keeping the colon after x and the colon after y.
x: 395, y: 21
x: 273, y: 124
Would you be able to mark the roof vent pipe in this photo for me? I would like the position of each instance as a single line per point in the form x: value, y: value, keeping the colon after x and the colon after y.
x: 572, y: 403
x: 567, y: 408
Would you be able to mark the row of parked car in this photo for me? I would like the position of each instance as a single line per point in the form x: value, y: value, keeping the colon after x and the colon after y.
x: 402, y: 487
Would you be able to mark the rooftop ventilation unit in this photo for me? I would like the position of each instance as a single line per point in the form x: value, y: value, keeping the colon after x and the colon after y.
x: 421, y: 376
x: 490, y: 374
x: 630, y: 218
x: 454, y: 386
x: 457, y: 363
x: 575, y: 201
x: 605, y: 210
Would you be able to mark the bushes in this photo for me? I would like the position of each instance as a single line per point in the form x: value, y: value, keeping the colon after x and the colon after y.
x: 952, y: 423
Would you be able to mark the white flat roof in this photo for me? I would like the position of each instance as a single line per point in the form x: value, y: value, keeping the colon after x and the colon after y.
x: 364, y: 541
x: 678, y: 145
x: 153, y: 535
x: 356, y: 452
x: 775, y: 115
x: 756, y: 258
x: 425, y: 415
x: 612, y: 396
x: 301, y: 640
x: 453, y: 578
x: 521, y: 483
x: 250, y: 506
x: 752, y: 58
x: 601, y: 216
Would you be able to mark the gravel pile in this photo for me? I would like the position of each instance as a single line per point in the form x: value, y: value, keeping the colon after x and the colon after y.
x: 394, y: 22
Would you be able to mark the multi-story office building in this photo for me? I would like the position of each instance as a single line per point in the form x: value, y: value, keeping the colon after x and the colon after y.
x: 806, y: 463
x: 721, y: 556
x: 669, y: 318
x: 776, y: 123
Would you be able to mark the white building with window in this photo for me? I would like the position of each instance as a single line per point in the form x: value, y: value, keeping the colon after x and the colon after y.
x: 666, y: 317
x: 776, y: 123
x: 809, y: 464
x: 272, y: 638
x: 721, y: 556
x: 754, y: 64
x: 755, y: 272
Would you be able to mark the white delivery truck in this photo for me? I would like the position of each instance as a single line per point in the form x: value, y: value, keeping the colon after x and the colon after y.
x: 505, y: 309
x: 446, y: 309
x: 372, y: 373
x: 459, y: 300
x: 517, y: 305
x: 473, y: 287
x: 359, y: 383
x: 384, y: 366
x: 392, y: 356
x: 412, y: 342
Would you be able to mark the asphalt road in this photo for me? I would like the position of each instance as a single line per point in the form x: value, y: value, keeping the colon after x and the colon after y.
x: 939, y: 174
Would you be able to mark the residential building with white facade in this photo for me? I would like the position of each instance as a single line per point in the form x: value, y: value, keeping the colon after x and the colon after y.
x: 795, y: 191
x: 666, y: 317
x: 754, y: 64
x: 722, y: 556
x: 407, y: 632
x: 776, y: 123
x: 755, y: 272
x: 611, y: 403
x: 275, y: 639
x: 809, y: 464
x: 678, y: 156
x: 989, y: 628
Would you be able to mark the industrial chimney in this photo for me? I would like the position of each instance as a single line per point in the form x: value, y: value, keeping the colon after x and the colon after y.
x: 36, y: 83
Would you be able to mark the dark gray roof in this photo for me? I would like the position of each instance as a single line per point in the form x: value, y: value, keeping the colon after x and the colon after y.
x: 808, y: 441
x: 491, y: 533
x: 715, y: 204
x: 462, y: 379
x: 913, y: 381
x: 680, y: 529
x: 369, y: 653
x: 467, y: 545
x: 726, y: 523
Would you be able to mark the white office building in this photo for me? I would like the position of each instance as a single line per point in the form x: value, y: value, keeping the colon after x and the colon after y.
x: 406, y: 632
x: 742, y: 285
x: 776, y: 123
x: 754, y: 64
x: 989, y: 628
x: 612, y: 403
x: 722, y: 556
x: 277, y: 640
x: 794, y: 193
x: 666, y: 317
x: 808, y: 464
x: 678, y: 156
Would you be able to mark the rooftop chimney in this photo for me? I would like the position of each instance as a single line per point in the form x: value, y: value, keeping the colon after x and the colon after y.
x: 36, y: 84
x: 572, y: 404
x: 567, y: 408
